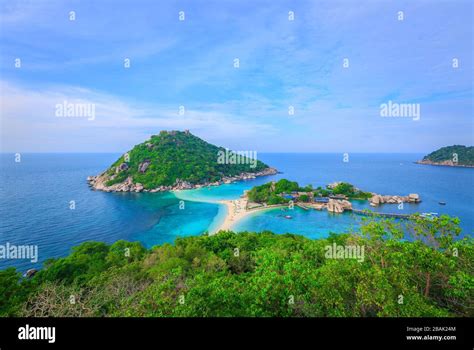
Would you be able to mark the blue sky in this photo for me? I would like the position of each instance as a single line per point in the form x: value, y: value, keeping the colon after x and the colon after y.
x: 283, y: 63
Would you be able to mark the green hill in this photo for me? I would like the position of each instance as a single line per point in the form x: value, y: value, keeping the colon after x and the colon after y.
x: 456, y: 155
x: 175, y: 159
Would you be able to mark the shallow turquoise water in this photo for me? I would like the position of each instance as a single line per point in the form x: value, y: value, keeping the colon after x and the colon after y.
x: 36, y: 194
x: 310, y: 223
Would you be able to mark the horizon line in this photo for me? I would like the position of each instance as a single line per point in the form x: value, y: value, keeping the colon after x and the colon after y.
x: 265, y: 152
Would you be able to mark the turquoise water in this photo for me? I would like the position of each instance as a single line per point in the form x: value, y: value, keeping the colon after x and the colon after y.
x: 36, y: 195
x: 310, y: 223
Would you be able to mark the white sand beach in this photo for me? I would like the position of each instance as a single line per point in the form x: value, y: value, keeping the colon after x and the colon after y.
x: 237, y: 210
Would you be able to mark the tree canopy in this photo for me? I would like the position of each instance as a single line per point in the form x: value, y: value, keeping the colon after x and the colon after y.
x: 429, y: 273
x: 173, y: 155
x: 462, y: 155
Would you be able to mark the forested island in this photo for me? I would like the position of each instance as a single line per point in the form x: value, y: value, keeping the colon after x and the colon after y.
x: 259, y: 275
x: 456, y: 155
x: 334, y: 197
x: 176, y: 160
x: 284, y: 190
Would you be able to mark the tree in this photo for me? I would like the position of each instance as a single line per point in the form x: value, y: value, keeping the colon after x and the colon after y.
x: 259, y: 274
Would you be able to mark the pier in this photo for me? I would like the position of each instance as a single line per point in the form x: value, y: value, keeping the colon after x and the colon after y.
x: 302, y: 206
x: 387, y: 215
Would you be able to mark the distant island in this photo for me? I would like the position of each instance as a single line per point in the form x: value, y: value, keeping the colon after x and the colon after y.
x: 456, y: 155
x: 177, y: 160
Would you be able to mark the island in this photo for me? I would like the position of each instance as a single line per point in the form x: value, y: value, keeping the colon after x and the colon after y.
x: 457, y: 156
x: 177, y: 160
x: 334, y: 198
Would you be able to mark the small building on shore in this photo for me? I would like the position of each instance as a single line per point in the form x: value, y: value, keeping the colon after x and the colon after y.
x: 288, y: 196
x: 337, y: 196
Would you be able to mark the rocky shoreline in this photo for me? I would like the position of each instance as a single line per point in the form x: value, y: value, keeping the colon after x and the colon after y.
x: 341, y: 205
x: 99, y: 183
x: 443, y: 163
x: 377, y: 199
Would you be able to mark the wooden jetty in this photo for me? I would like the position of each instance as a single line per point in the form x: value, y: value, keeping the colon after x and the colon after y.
x: 387, y: 215
x: 302, y: 206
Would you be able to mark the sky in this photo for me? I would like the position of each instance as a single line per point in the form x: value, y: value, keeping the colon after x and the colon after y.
x: 333, y: 63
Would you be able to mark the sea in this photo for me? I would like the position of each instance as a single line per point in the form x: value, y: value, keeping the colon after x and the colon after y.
x: 46, y: 201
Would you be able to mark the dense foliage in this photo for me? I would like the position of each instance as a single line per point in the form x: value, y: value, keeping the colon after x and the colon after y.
x: 176, y: 155
x: 350, y: 191
x: 465, y: 155
x: 270, y: 193
x: 250, y: 274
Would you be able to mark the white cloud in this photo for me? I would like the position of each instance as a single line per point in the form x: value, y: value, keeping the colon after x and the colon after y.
x: 29, y: 123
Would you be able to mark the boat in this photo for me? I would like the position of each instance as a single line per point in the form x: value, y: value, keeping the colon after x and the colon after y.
x: 288, y: 217
x: 429, y: 215
x: 442, y: 203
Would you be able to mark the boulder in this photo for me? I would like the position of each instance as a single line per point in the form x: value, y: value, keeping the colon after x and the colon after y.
x: 30, y: 273
x: 143, y: 166
x: 332, y: 185
x: 186, y: 185
x: 335, y: 206
x: 346, y: 205
x: 319, y: 206
x: 121, y: 167
x: 376, y: 199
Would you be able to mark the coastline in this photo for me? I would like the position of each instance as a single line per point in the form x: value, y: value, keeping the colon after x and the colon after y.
x: 99, y: 182
x: 445, y: 164
x: 237, y: 210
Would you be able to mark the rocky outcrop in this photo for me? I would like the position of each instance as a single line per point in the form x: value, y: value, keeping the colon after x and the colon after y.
x: 444, y: 163
x: 143, y: 166
x: 183, y: 185
x: 121, y: 167
x: 338, y: 206
x: 99, y: 182
x: 378, y: 199
x: 333, y: 184
x: 30, y: 273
